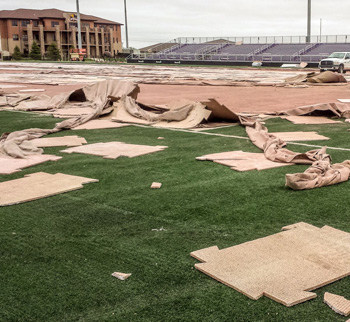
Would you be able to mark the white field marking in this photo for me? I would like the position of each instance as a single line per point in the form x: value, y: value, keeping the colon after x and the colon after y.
x: 319, y: 146
x: 239, y: 137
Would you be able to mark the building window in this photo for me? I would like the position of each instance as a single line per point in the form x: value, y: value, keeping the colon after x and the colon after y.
x: 24, y: 23
x: 54, y: 23
x: 25, y: 37
x: 14, y: 23
x: 85, y: 24
x: 35, y: 23
x: 15, y: 37
x: 73, y: 24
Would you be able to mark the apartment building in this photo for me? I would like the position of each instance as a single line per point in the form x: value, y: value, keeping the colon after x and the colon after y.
x: 21, y: 27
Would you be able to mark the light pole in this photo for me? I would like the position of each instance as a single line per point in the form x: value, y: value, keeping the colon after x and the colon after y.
x: 79, y: 29
x: 126, y: 26
x: 308, y: 37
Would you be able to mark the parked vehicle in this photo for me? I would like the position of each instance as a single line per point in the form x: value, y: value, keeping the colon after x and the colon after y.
x: 337, y: 61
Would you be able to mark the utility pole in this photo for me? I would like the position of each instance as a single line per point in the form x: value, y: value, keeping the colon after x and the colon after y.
x: 308, y: 37
x: 126, y: 26
x: 320, y: 28
x: 80, y: 46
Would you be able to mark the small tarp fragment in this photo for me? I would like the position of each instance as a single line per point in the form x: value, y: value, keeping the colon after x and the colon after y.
x: 114, y: 150
x: 121, y: 276
x: 39, y: 185
x: 337, y: 303
x: 283, y: 266
x: 156, y: 185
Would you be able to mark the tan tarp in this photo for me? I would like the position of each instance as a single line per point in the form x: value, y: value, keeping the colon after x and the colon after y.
x: 99, y: 96
x: 322, y: 109
x: 324, y: 77
x: 321, y: 173
x: 180, y: 114
x: 273, y: 147
x: 337, y: 303
x: 284, y: 267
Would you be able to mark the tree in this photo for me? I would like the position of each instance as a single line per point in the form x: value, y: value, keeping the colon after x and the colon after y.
x: 35, y: 52
x: 16, y: 54
x: 53, y: 52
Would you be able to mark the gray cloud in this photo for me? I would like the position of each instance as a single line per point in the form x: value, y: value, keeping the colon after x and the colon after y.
x: 154, y: 21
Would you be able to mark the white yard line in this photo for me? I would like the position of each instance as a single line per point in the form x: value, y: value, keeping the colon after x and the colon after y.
x: 243, y: 137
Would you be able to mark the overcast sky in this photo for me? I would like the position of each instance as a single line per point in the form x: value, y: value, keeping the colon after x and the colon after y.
x: 152, y: 21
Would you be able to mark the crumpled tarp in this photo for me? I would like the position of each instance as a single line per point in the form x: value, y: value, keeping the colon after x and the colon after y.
x: 99, y: 96
x: 321, y: 172
x: 331, y: 109
x: 274, y: 148
x: 323, y: 77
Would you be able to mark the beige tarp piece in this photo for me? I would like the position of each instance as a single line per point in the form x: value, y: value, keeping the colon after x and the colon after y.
x: 324, y: 77
x: 113, y: 150
x: 39, y: 185
x: 99, y: 96
x: 180, y: 114
x: 323, y: 109
x: 337, y: 303
x: 243, y: 161
x: 10, y: 165
x: 273, y: 147
x: 284, y: 266
x: 116, y: 98
x: 321, y: 173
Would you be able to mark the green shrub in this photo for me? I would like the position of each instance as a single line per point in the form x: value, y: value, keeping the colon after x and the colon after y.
x: 53, y: 52
x: 16, y: 54
x: 35, y: 52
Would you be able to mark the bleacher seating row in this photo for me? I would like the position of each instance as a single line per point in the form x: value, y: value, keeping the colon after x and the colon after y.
x: 232, y: 52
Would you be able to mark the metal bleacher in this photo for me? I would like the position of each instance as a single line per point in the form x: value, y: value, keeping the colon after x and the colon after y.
x: 289, y: 49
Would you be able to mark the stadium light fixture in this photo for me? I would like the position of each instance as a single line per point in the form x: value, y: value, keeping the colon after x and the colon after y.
x: 308, y: 37
x: 80, y: 46
x: 126, y: 26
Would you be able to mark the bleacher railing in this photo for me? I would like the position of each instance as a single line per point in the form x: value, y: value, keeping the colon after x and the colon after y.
x: 266, y: 39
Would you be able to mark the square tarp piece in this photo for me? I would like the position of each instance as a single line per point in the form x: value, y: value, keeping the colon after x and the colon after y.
x: 299, y: 136
x: 39, y: 185
x: 72, y: 140
x: 243, y: 161
x: 309, y: 119
x: 10, y: 165
x: 113, y: 150
x: 285, y: 266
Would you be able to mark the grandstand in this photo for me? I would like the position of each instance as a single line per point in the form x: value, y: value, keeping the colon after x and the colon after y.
x: 243, y: 50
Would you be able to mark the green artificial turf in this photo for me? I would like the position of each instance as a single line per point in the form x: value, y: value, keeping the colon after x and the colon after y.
x: 57, y: 254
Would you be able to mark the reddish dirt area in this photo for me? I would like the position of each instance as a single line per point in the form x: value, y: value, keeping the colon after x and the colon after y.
x: 239, y: 99
x: 246, y: 99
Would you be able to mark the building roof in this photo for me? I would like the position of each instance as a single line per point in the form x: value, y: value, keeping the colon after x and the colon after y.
x: 33, y: 14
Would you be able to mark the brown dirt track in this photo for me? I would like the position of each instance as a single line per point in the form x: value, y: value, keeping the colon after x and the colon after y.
x: 246, y: 99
